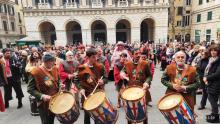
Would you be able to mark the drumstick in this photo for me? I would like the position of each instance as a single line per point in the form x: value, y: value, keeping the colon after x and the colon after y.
x: 84, y: 96
x: 96, y: 85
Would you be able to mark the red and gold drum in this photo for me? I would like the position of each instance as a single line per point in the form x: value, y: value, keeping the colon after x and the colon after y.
x: 175, y: 109
x: 134, y: 102
x: 101, y: 108
x: 63, y: 105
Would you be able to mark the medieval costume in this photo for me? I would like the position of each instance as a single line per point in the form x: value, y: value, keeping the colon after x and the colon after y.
x: 188, y: 78
x: 139, y: 74
x: 121, y: 80
x: 68, y: 71
x: 105, y: 62
x: 43, y: 84
x: 65, y: 69
x: 90, y: 74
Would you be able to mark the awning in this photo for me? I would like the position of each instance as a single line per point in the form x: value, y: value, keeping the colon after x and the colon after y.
x: 28, y: 41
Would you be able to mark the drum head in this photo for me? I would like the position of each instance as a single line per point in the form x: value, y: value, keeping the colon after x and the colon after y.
x: 169, y: 102
x: 93, y: 101
x: 132, y: 93
x: 61, y: 102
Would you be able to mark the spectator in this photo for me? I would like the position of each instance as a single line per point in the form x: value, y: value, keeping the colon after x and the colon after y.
x: 211, y: 79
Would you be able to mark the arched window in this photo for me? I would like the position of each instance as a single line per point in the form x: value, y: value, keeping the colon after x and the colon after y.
x: 1, y: 46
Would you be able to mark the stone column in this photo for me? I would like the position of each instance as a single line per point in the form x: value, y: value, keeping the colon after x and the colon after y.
x: 86, y: 36
x: 109, y: 2
x: 135, y: 34
x: 135, y: 2
x: 83, y: 3
x: 30, y: 3
x: 61, y: 38
x: 24, y: 2
x: 111, y: 35
x: 57, y: 3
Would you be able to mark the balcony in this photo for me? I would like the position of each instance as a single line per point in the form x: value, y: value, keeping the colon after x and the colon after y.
x: 71, y: 5
x: 97, y: 4
x: 123, y: 3
x: 44, y: 6
x: 148, y: 3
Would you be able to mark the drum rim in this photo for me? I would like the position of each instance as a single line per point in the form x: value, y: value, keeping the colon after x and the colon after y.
x: 167, y: 110
x: 57, y: 95
x: 131, y: 87
x: 90, y: 96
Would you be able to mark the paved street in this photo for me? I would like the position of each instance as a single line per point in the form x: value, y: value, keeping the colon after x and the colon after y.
x: 22, y: 116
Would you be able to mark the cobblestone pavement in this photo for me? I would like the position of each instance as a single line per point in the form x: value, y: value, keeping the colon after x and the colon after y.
x: 22, y: 116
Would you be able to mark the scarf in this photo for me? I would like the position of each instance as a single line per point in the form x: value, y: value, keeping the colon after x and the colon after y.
x: 211, y: 61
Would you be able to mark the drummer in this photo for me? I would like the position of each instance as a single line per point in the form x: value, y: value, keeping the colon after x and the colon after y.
x: 44, y: 83
x: 139, y: 74
x: 181, y: 78
x: 121, y: 80
x: 90, y: 74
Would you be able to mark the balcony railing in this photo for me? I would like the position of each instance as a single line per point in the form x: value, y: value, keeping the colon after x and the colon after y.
x: 148, y: 3
x: 44, y: 6
x: 71, y: 5
x: 123, y: 3
x: 94, y: 4
x: 97, y: 4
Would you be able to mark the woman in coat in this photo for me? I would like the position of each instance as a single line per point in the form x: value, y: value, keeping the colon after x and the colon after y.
x: 201, y: 69
x: 211, y: 79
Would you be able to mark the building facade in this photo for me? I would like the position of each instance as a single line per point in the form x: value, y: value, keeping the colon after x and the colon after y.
x: 10, y: 23
x: 179, y: 20
x: 62, y: 22
x: 205, y: 20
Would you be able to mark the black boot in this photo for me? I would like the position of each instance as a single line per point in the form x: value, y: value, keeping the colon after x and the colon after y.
x: 19, y: 103
x: 6, y: 104
x: 212, y: 118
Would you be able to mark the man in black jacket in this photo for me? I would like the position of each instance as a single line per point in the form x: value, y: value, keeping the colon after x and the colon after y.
x: 12, y: 71
x: 211, y: 79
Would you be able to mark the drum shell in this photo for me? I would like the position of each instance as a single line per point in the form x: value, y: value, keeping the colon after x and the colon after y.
x: 181, y: 111
x: 33, y: 106
x: 140, y: 106
x: 106, y: 109
x: 71, y: 115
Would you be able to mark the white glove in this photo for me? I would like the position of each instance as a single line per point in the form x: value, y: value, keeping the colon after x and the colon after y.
x: 82, y: 92
x: 46, y: 97
x: 145, y: 86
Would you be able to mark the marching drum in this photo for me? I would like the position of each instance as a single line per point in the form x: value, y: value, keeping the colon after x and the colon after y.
x: 175, y: 109
x: 63, y: 105
x: 33, y: 104
x: 100, y: 108
x: 134, y: 103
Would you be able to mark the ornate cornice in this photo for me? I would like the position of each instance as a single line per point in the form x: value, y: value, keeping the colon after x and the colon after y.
x: 92, y: 11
